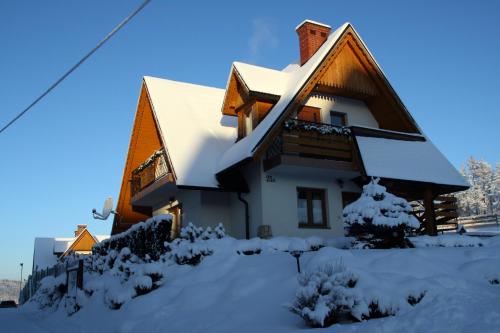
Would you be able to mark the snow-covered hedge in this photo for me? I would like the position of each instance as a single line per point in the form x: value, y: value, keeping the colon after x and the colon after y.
x: 379, y: 219
x: 143, y: 239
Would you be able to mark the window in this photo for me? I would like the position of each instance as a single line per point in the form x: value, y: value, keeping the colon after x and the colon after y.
x: 313, y: 32
x: 323, y: 34
x: 311, y: 207
x: 338, y: 118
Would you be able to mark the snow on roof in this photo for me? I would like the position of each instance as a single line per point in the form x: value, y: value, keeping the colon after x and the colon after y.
x: 245, y: 147
x: 313, y: 22
x: 408, y: 160
x: 194, y: 131
x: 262, y: 79
x: 43, y: 255
x: 62, y: 244
x: 100, y: 238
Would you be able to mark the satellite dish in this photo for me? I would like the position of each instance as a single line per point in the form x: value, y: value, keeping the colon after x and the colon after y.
x: 106, y: 210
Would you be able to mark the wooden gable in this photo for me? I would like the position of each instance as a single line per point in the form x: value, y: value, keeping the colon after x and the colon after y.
x: 83, y: 243
x: 237, y: 96
x: 349, y: 70
x: 145, y: 140
x: 348, y: 75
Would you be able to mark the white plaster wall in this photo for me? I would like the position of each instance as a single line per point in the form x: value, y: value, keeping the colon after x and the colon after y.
x: 279, y: 201
x: 253, y: 176
x: 209, y: 208
x: 357, y: 112
x: 215, y: 209
x: 237, y: 216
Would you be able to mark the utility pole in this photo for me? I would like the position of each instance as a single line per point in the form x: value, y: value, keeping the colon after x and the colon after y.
x: 20, y: 284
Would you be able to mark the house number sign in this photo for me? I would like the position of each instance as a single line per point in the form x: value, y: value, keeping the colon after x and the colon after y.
x: 270, y: 179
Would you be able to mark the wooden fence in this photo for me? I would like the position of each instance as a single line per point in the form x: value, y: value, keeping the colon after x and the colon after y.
x: 33, y: 283
x: 479, y: 220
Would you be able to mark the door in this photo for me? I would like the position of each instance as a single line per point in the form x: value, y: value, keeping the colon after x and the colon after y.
x: 176, y: 212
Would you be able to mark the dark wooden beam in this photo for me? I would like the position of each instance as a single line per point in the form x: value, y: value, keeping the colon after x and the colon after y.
x: 376, y: 133
x: 430, y: 214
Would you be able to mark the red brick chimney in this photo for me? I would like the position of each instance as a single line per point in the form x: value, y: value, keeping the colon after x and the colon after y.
x: 311, y: 36
x: 79, y: 229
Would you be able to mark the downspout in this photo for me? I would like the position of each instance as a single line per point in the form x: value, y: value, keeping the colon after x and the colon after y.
x: 247, y: 216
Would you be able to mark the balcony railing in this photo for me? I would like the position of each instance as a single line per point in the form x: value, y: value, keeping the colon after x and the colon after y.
x: 154, y: 168
x: 316, y: 140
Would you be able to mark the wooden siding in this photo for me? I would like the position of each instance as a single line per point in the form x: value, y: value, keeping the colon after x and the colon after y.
x: 83, y: 243
x: 145, y: 140
x: 348, y: 72
x: 236, y: 96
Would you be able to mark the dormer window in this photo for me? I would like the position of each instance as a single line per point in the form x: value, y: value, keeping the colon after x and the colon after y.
x: 338, y: 118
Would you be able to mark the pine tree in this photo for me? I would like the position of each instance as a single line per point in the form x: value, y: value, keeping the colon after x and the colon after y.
x: 483, y: 195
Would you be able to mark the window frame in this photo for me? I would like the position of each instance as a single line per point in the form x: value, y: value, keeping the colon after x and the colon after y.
x: 309, y: 206
x: 341, y: 114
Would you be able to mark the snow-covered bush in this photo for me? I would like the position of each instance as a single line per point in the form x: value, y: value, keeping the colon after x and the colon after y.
x: 326, y: 296
x: 154, y: 271
x: 143, y: 239
x: 186, y: 253
x: 192, y: 232
x: 143, y: 284
x: 331, y: 294
x: 249, y: 247
x: 117, y: 295
x: 315, y: 243
x: 192, y: 246
x: 379, y: 219
x: 51, y: 291
x: 220, y: 231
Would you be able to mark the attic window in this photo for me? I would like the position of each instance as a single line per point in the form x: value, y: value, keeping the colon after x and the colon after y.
x: 338, y: 118
x: 323, y: 34
x: 313, y: 32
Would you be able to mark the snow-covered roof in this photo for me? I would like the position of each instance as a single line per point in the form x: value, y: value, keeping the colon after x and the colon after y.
x: 244, y: 148
x: 262, y: 79
x: 43, y: 255
x: 100, y: 238
x: 48, y: 249
x: 313, y: 22
x: 194, y: 132
x: 408, y: 160
x: 62, y: 244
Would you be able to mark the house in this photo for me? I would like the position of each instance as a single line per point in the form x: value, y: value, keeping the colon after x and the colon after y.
x: 280, y: 151
x: 48, y: 250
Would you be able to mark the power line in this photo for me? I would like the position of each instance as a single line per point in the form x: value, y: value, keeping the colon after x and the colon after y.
x: 55, y: 84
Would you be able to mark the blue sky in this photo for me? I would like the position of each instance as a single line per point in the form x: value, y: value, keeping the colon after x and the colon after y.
x: 68, y: 153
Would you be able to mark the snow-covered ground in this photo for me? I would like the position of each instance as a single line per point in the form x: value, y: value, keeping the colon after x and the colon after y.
x: 228, y: 292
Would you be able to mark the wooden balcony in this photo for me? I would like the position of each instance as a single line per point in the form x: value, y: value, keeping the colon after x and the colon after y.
x: 312, y: 144
x: 152, y: 170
